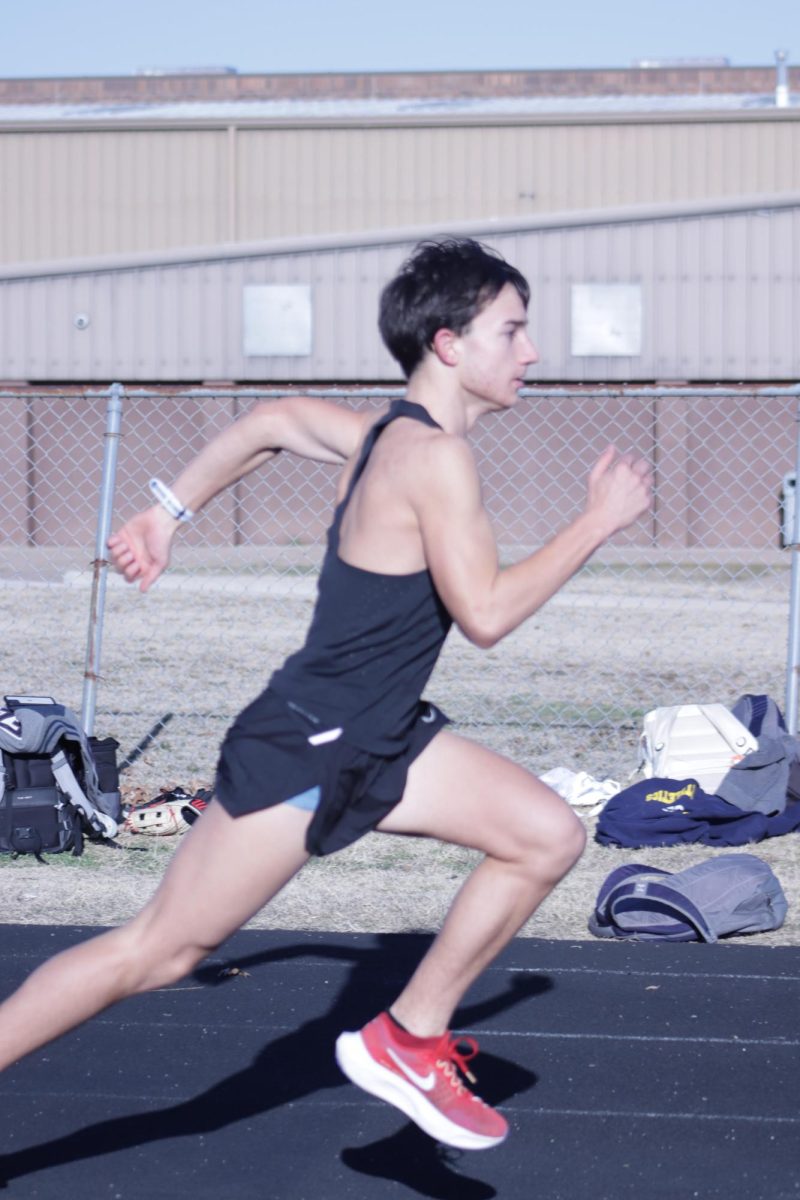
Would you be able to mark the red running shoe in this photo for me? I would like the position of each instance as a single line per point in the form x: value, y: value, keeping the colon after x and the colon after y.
x: 424, y: 1078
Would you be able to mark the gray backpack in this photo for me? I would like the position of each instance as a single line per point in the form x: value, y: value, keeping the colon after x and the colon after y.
x: 50, y: 793
x: 734, y: 893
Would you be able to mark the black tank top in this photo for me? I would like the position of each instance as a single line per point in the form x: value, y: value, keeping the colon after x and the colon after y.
x: 373, y: 640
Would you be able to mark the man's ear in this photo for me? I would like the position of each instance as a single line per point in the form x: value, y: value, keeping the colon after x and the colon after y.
x: 444, y: 346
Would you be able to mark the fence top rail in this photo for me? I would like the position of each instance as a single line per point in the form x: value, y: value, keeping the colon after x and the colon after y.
x: 392, y: 393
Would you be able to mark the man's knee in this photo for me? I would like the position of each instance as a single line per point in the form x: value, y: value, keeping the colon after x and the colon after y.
x: 143, y: 958
x: 573, y: 839
x: 555, y: 838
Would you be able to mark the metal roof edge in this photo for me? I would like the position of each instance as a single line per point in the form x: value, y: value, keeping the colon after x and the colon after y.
x: 754, y: 112
x: 478, y: 227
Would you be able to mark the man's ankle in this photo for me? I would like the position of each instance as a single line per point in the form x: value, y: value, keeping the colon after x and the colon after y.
x: 403, y: 1031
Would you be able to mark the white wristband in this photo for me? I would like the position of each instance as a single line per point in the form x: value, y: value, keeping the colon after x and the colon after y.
x: 168, y: 500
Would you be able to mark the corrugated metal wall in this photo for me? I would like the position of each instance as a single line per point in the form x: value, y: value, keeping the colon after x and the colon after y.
x: 720, y: 301
x: 68, y: 194
x: 68, y: 191
x: 344, y: 180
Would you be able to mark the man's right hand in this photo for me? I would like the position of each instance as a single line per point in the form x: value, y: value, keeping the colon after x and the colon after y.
x: 620, y: 489
x: 140, y: 550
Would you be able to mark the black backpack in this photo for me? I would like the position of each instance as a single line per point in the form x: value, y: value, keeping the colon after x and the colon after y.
x: 56, y: 785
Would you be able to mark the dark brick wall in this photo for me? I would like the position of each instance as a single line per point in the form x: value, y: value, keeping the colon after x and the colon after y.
x: 397, y: 85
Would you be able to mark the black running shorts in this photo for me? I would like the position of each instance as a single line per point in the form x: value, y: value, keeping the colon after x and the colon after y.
x: 267, y: 758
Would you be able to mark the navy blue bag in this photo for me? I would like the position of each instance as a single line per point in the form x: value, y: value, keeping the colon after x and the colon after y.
x: 669, y: 812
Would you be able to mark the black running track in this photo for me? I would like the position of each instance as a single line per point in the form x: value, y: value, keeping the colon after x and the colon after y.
x: 625, y: 1071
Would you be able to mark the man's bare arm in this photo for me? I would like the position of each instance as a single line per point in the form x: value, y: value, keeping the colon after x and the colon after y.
x: 485, y: 600
x: 301, y: 425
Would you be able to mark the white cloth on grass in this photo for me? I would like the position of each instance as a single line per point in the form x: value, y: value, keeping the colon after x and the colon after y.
x: 580, y: 789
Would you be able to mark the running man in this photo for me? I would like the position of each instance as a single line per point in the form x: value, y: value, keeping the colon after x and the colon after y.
x: 341, y: 742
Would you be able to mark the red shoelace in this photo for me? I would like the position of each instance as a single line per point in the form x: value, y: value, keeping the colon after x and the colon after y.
x: 455, y: 1057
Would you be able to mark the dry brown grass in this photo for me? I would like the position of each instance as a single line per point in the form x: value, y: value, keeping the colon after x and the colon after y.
x: 189, y: 649
x: 382, y: 884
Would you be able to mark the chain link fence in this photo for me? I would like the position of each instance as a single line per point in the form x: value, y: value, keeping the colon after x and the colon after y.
x: 691, y: 605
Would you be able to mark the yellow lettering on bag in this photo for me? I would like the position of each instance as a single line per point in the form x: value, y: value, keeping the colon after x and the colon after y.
x: 664, y: 797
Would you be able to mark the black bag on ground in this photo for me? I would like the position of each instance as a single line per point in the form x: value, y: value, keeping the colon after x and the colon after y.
x: 56, y: 785
x: 104, y: 753
x: 35, y: 816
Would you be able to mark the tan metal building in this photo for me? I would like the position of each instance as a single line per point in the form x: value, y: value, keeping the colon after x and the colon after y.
x: 704, y: 292
x: 180, y: 231
x: 93, y: 167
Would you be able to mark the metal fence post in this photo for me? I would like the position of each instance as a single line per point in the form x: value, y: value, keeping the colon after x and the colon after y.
x: 100, y: 565
x: 793, y: 653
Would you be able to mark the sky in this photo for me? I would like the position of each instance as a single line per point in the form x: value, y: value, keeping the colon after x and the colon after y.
x: 121, y: 37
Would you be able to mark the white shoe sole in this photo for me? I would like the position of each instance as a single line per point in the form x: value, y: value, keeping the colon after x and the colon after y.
x: 360, y: 1068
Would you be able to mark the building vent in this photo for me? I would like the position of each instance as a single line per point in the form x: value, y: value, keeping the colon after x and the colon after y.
x: 782, y: 79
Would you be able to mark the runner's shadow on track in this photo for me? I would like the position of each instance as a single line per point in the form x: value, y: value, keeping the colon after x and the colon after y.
x: 298, y: 1065
x: 412, y: 1158
x: 429, y: 1168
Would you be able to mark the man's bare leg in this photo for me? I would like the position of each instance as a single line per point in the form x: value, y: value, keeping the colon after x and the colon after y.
x: 224, y: 872
x: 463, y: 793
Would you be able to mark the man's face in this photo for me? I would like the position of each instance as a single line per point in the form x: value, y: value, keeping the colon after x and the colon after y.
x: 495, y: 350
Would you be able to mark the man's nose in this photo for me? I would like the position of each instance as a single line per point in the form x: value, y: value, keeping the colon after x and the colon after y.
x: 530, y: 353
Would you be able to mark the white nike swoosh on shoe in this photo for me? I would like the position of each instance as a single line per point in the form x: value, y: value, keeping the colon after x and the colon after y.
x: 425, y: 1082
